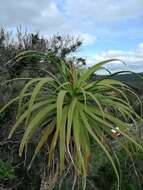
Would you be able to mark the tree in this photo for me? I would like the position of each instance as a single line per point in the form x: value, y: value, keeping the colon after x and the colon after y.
x: 57, y: 46
x: 68, y: 112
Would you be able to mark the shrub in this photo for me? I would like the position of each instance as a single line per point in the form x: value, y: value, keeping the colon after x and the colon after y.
x: 6, y: 171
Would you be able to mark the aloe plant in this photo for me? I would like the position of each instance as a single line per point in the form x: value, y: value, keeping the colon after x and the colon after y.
x: 72, y: 112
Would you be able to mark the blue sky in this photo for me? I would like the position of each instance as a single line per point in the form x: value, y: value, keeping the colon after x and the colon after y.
x: 108, y: 28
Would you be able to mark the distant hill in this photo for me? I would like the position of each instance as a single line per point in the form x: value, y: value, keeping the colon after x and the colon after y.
x: 131, y: 79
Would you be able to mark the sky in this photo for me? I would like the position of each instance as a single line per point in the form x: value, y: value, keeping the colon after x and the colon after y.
x: 108, y: 28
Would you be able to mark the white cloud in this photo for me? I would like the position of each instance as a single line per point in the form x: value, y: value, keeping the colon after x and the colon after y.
x: 36, y: 14
x: 91, y: 20
x: 133, y: 59
x: 104, y: 10
x: 87, y: 39
x: 67, y: 16
x: 141, y: 47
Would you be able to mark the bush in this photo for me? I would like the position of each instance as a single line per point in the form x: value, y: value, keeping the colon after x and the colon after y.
x: 102, y: 176
x: 6, y: 171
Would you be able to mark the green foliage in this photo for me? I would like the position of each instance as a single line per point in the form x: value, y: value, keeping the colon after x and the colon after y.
x: 6, y: 171
x: 102, y: 175
x: 71, y: 113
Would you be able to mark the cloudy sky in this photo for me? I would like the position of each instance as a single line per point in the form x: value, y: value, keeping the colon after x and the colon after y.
x: 109, y: 28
